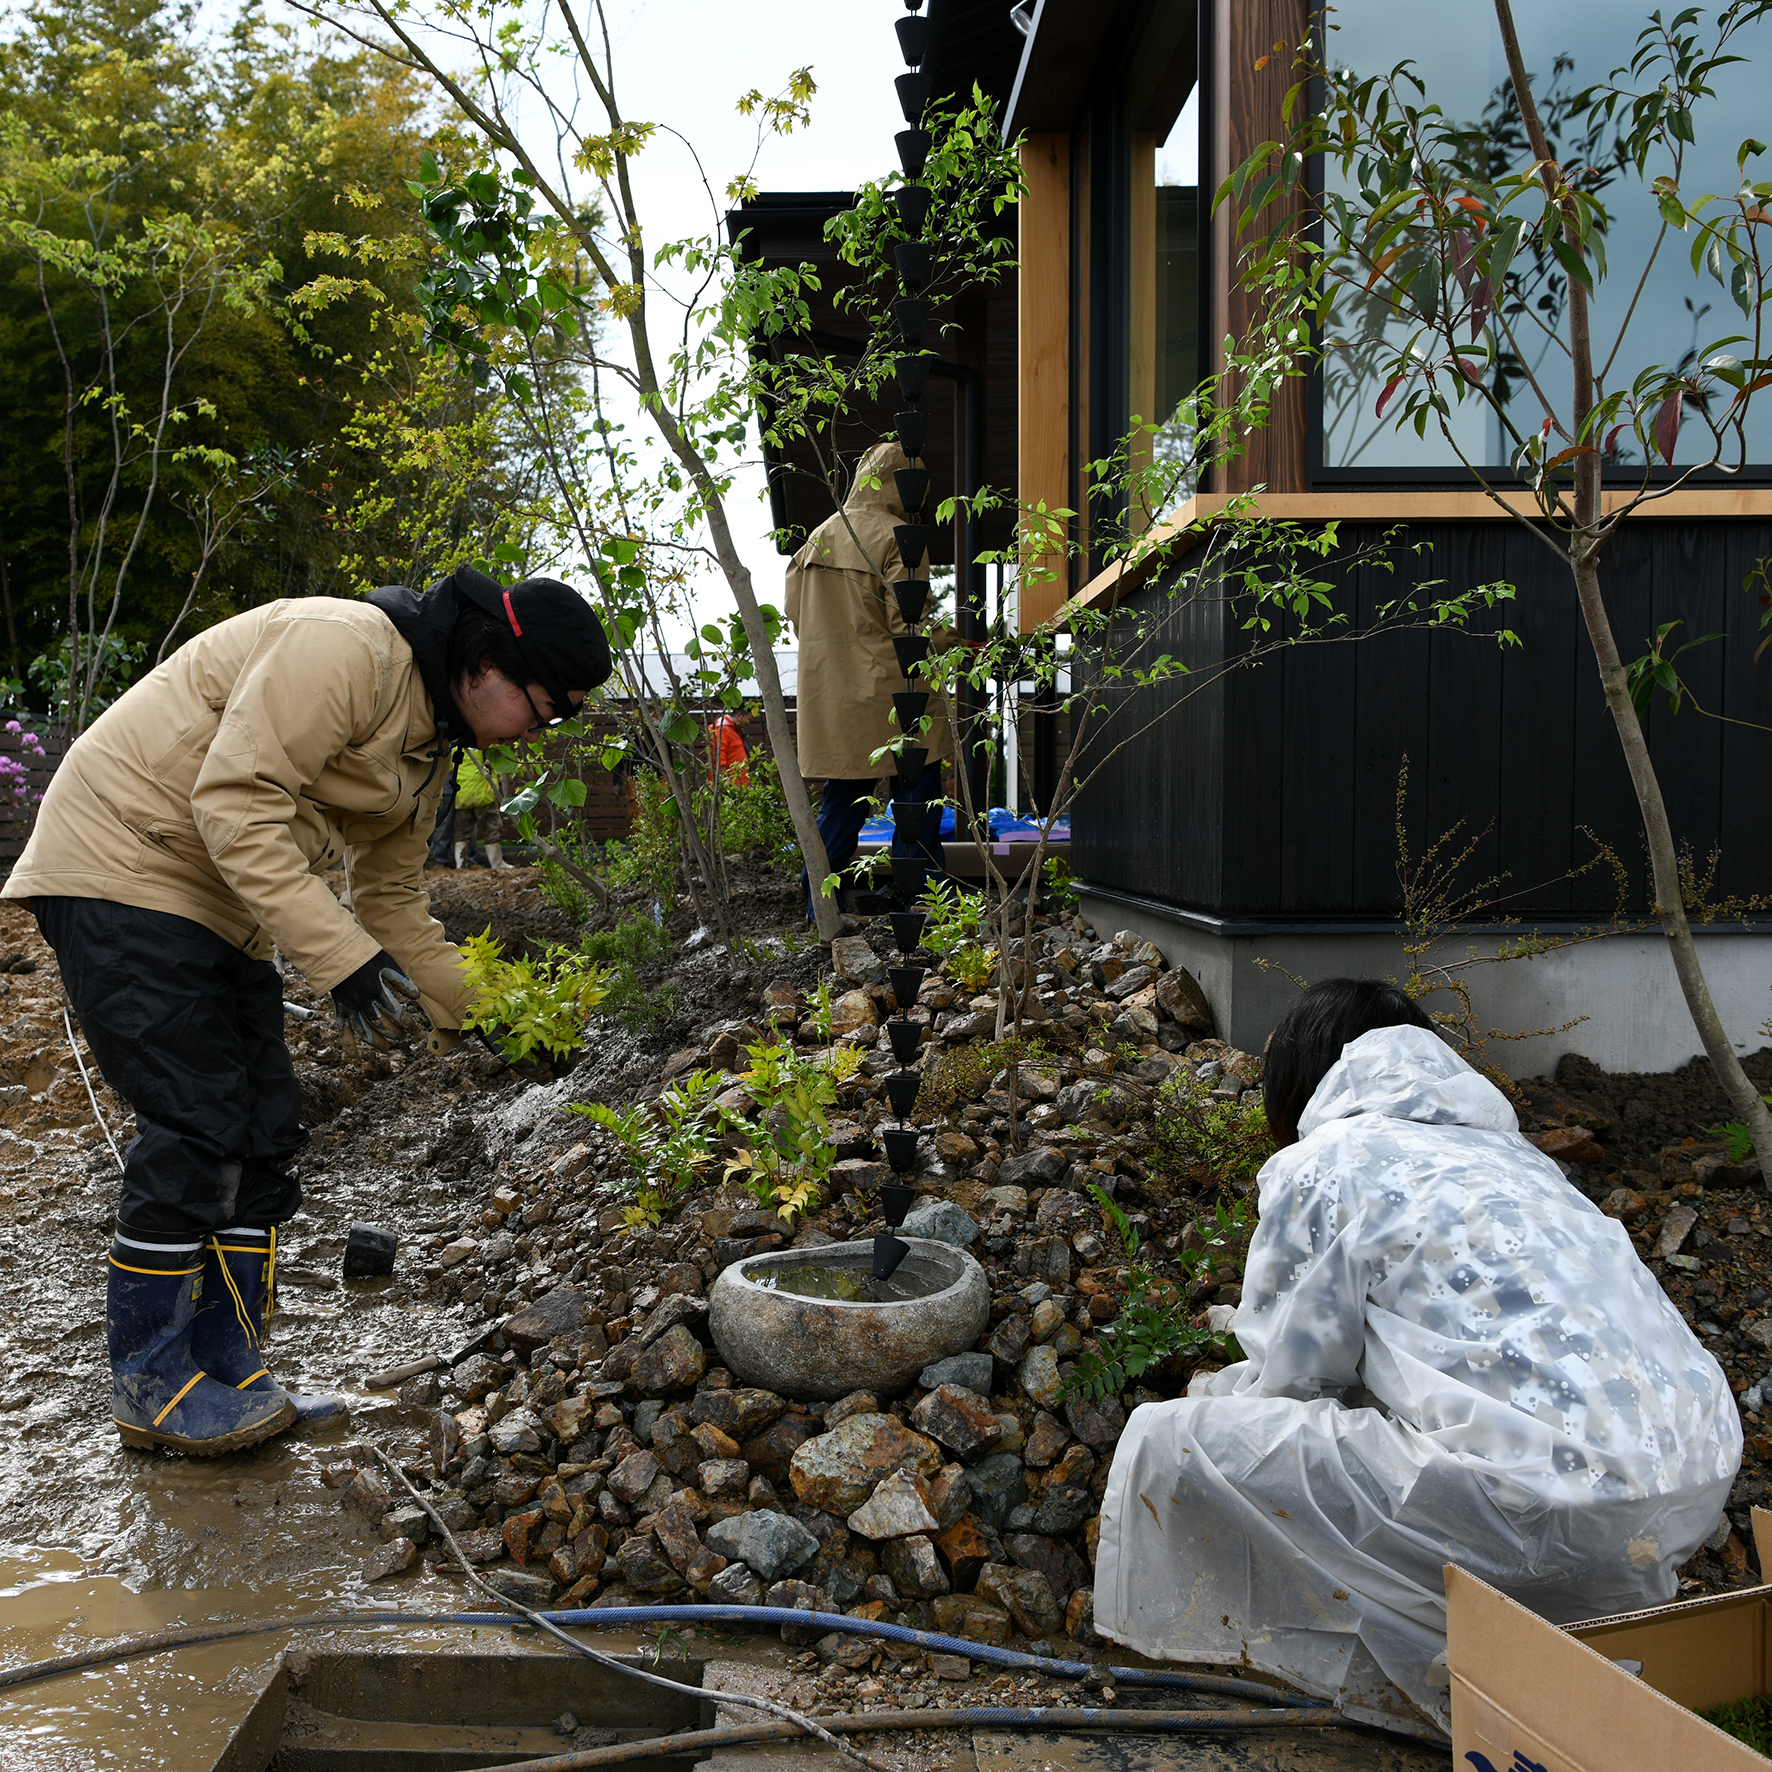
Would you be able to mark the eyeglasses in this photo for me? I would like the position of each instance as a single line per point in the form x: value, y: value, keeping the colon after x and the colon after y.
x: 541, y: 721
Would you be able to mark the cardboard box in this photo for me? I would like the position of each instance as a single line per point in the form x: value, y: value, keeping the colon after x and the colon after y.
x: 1528, y: 1696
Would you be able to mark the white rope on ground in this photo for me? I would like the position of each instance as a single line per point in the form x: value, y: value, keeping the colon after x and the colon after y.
x: 616, y: 1665
x: 74, y: 1047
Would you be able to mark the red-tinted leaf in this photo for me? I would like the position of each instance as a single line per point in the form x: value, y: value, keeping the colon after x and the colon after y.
x: 1610, y: 448
x: 1459, y: 253
x: 1569, y: 454
x: 1384, y: 399
x: 1482, y: 305
x: 1667, y: 425
x: 1472, y: 373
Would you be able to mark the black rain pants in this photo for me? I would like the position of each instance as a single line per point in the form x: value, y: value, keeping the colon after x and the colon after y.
x: 189, y: 1031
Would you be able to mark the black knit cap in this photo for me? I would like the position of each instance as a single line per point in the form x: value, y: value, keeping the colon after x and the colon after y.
x: 554, y: 628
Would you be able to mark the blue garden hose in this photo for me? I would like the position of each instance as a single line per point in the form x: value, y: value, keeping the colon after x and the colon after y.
x: 619, y: 1617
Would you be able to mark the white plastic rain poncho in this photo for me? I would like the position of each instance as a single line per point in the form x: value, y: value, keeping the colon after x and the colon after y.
x: 1453, y: 1357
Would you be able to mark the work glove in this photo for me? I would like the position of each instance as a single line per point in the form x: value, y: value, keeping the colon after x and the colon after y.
x: 371, y: 1004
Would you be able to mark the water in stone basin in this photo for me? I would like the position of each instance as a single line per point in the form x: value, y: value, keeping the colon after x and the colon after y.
x: 850, y: 1284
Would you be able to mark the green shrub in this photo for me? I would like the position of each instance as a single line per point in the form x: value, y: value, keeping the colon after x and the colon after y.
x: 525, y: 1004
x: 1198, y: 1143
x: 1748, y: 1720
x: 754, y: 817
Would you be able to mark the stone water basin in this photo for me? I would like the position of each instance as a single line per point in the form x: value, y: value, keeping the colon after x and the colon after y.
x: 815, y: 1349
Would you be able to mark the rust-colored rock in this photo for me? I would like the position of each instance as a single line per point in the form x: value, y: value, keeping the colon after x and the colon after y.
x: 516, y: 1534
x: 838, y: 1471
x: 771, y: 1453
x: 965, y: 1550
x: 959, y: 1419
x: 966, y: 1615
x: 1568, y: 1144
x: 712, y: 1441
x: 1025, y: 1594
x: 741, y: 1413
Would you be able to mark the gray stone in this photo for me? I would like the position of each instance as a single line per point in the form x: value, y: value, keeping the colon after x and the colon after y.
x: 1036, y: 1168
x: 1095, y: 1424
x: 410, y: 1521
x: 856, y: 962
x: 972, y: 1371
x: 1003, y: 1199
x: 536, y: 1325
x: 391, y: 1558
x: 999, y: 1485
x: 518, y: 1432
x: 679, y: 1307
x: 674, y: 1362
x: 1039, y: 1376
x: 1062, y: 1510
x: 528, y: 1587
x: 943, y: 1221
x: 1130, y: 982
x: 772, y: 1544
x: 914, y: 1568
x: 1675, y: 1230
x: 736, y: 1585
x: 902, y: 1505
x: 646, y: 1419
x: 821, y: 1349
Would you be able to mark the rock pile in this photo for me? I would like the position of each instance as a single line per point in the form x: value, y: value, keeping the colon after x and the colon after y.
x: 597, y: 1454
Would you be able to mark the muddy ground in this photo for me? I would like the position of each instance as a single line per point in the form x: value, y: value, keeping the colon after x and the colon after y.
x: 95, y: 1540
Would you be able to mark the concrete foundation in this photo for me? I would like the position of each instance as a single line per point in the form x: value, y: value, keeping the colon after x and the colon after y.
x: 1620, y: 992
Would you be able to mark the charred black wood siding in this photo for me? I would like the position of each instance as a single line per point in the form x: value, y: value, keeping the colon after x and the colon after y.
x: 1273, y: 794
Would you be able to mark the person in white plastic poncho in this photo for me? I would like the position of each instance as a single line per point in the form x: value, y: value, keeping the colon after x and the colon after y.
x: 1452, y: 1357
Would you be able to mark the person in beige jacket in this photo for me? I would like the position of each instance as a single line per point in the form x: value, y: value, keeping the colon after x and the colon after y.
x: 845, y: 616
x: 183, y: 838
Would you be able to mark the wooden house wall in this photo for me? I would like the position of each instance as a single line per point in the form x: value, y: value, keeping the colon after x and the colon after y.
x: 1274, y: 795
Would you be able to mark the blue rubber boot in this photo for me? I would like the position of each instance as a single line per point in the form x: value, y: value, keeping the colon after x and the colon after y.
x: 239, y: 1270
x: 160, y: 1395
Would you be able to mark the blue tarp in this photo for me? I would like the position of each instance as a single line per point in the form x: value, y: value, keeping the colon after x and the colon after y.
x: 1003, y: 822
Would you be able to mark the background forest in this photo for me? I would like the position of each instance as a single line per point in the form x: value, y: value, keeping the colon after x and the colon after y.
x: 217, y: 389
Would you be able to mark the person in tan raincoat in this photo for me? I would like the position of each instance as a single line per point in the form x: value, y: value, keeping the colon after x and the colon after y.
x: 184, y: 837
x: 844, y: 614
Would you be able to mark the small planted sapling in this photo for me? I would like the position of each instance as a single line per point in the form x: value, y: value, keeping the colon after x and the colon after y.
x: 667, y: 1143
x: 526, y: 1005
x: 1151, y: 1328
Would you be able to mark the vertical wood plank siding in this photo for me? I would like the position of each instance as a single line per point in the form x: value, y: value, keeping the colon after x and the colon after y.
x: 1043, y: 413
x: 1273, y: 794
x: 1247, y: 110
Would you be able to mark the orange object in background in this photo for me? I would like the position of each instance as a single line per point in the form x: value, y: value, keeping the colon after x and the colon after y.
x: 729, y: 752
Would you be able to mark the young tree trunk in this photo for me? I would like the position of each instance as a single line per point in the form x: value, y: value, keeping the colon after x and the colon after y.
x: 1584, y: 546
x: 1744, y: 1098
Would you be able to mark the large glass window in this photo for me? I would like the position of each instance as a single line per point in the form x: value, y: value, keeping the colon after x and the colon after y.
x: 1569, y: 45
x: 1161, y: 98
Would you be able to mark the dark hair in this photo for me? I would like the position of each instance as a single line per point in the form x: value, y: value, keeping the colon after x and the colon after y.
x: 476, y: 637
x: 1309, y: 1037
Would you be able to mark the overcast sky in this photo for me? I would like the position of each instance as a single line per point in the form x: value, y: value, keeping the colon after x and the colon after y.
x: 683, y: 64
